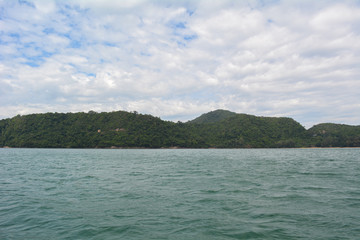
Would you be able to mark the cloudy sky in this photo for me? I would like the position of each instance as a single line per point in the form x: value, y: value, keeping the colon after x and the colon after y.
x: 179, y: 59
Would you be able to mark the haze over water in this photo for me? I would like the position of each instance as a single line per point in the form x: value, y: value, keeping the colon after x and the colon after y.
x: 180, y: 194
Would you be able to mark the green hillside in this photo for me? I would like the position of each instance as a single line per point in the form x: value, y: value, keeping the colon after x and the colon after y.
x: 244, y: 131
x: 218, y: 129
x: 90, y: 130
x: 214, y: 116
x: 334, y: 135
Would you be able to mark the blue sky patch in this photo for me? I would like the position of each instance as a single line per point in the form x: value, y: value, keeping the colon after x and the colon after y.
x: 190, y: 37
x: 75, y: 44
x: 181, y: 25
x: 49, y: 30
x: 27, y: 3
x: 32, y: 64
x: 190, y: 12
x: 91, y: 74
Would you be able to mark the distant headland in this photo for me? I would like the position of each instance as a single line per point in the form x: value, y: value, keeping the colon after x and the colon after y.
x: 216, y: 129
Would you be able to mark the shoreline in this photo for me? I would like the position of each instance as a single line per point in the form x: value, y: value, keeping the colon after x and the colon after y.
x: 171, y: 148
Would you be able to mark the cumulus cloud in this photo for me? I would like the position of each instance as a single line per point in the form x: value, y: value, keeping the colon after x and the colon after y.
x: 178, y: 59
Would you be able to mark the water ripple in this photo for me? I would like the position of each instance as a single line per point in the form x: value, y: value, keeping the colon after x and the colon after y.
x: 180, y: 194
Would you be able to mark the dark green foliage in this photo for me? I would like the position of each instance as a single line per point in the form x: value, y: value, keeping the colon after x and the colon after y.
x: 334, y: 135
x: 245, y: 131
x: 214, y: 116
x: 221, y: 129
x: 90, y: 130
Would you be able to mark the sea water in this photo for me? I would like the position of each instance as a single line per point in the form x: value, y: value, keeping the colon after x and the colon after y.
x: 180, y: 194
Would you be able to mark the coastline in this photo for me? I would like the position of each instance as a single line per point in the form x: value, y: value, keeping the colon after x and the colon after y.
x: 171, y: 148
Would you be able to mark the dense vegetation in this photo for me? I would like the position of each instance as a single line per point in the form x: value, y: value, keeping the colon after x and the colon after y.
x: 89, y: 130
x: 218, y: 129
x: 245, y: 131
x: 334, y: 135
x: 213, y: 117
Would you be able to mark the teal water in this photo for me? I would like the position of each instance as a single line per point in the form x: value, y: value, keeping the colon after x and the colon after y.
x: 180, y: 194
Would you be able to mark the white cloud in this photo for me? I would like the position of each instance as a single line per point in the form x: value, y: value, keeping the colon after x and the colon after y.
x: 45, y: 6
x: 178, y: 59
x: 336, y: 19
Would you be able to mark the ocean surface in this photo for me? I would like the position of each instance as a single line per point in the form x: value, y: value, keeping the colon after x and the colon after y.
x: 180, y: 194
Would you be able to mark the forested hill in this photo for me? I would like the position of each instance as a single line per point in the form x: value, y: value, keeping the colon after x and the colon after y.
x: 245, y: 131
x: 214, y: 116
x: 337, y: 135
x: 217, y: 129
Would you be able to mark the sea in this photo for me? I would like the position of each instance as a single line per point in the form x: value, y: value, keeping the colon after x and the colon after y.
x: 180, y: 194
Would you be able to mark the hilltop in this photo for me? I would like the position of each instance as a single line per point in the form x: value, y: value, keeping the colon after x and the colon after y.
x: 216, y: 129
x: 214, y: 116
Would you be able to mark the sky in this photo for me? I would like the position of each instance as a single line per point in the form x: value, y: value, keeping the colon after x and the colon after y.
x: 178, y: 59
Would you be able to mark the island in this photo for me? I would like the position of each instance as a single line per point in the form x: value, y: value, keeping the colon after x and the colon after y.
x: 216, y: 129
